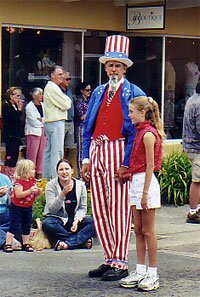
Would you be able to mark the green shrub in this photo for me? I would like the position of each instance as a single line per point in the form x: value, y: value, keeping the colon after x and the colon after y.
x: 89, y: 207
x: 38, y: 209
x: 38, y: 206
x: 175, y: 178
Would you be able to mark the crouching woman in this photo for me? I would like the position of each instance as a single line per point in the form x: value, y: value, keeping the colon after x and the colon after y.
x: 66, y: 224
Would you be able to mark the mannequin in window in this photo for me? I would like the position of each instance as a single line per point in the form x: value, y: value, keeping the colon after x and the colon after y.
x: 45, y: 63
x: 170, y: 84
x: 191, y: 77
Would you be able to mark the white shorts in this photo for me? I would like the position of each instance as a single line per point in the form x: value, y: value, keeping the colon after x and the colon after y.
x: 136, y: 190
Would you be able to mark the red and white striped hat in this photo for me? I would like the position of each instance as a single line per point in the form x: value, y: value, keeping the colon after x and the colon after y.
x: 116, y: 49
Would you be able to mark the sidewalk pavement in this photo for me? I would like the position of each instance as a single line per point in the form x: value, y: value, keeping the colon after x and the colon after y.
x: 64, y: 273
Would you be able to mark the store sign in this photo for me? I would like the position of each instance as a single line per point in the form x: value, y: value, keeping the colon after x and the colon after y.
x: 145, y: 17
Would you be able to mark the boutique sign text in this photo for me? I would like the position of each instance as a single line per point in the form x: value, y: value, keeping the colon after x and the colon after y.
x: 145, y: 17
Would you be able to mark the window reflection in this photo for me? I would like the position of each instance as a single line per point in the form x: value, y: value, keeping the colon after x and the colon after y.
x: 181, y: 77
x: 28, y: 55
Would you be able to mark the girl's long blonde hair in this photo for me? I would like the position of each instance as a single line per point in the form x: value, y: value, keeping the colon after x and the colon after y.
x: 152, y: 114
x: 23, y: 168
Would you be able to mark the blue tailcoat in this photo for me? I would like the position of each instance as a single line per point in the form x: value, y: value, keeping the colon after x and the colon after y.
x: 128, y: 91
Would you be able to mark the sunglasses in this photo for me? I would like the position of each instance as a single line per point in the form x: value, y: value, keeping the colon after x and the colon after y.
x: 88, y: 90
x: 18, y: 95
x: 69, y: 78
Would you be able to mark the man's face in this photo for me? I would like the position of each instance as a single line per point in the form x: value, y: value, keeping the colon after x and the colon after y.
x: 66, y: 80
x: 115, y: 68
x: 57, y: 76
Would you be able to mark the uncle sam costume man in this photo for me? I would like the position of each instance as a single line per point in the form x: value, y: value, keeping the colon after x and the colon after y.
x: 108, y: 137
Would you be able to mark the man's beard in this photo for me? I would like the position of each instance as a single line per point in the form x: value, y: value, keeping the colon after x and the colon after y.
x: 113, y: 81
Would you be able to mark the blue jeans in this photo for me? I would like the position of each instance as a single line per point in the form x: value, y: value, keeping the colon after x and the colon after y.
x: 55, y: 230
x: 4, y: 226
x: 55, y: 132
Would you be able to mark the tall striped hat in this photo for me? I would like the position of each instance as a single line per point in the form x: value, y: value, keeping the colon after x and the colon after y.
x: 116, y: 49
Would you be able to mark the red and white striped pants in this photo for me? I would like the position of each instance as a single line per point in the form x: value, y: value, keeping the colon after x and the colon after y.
x: 110, y: 202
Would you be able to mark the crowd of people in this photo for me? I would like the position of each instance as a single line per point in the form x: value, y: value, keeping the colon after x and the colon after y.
x: 48, y: 129
x: 119, y: 147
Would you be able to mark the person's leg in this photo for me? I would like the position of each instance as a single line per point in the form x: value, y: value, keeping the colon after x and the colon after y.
x: 70, y: 135
x: 140, y: 239
x: 99, y: 202
x: 2, y: 237
x: 195, y: 185
x: 4, y: 221
x: 194, y: 194
x: 111, y: 208
x: 79, y: 148
x: 54, y: 229
x: 40, y: 152
x: 194, y: 213
x: 136, y: 276
x: 15, y: 219
x: 4, y: 227
x: 47, y: 153
x: 32, y: 145
x: 12, y: 151
x: 57, y: 145
x: 151, y: 279
x: 26, y: 221
x: 86, y: 230
x: 118, y: 204
x: 13, y: 227
x: 149, y: 232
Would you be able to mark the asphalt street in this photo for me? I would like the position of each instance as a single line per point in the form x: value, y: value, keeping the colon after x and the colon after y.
x: 64, y: 274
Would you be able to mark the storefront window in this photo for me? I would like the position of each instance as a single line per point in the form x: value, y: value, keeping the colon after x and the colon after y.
x: 182, y: 66
x: 146, y: 72
x: 94, y: 43
x: 28, y: 55
x: 145, y: 52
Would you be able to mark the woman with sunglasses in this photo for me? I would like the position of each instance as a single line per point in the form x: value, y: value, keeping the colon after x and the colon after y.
x: 83, y: 93
x: 12, y: 125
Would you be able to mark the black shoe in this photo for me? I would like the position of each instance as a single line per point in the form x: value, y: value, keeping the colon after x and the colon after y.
x: 114, y: 274
x: 98, y: 272
x: 193, y: 218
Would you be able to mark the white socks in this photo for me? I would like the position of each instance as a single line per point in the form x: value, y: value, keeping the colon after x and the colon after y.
x: 195, y: 210
x: 152, y: 271
x: 142, y: 269
x: 192, y: 210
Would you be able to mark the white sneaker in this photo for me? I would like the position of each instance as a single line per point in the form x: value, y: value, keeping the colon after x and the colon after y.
x: 149, y: 283
x: 132, y: 280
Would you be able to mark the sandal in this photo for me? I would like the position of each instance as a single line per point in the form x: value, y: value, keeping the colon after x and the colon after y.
x: 60, y: 246
x: 16, y: 246
x: 7, y: 248
x: 88, y: 244
x: 27, y: 247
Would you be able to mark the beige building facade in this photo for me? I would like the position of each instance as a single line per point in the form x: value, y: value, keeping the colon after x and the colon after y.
x: 72, y: 33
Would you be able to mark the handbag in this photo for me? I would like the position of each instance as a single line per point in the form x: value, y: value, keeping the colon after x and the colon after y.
x: 38, y: 238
